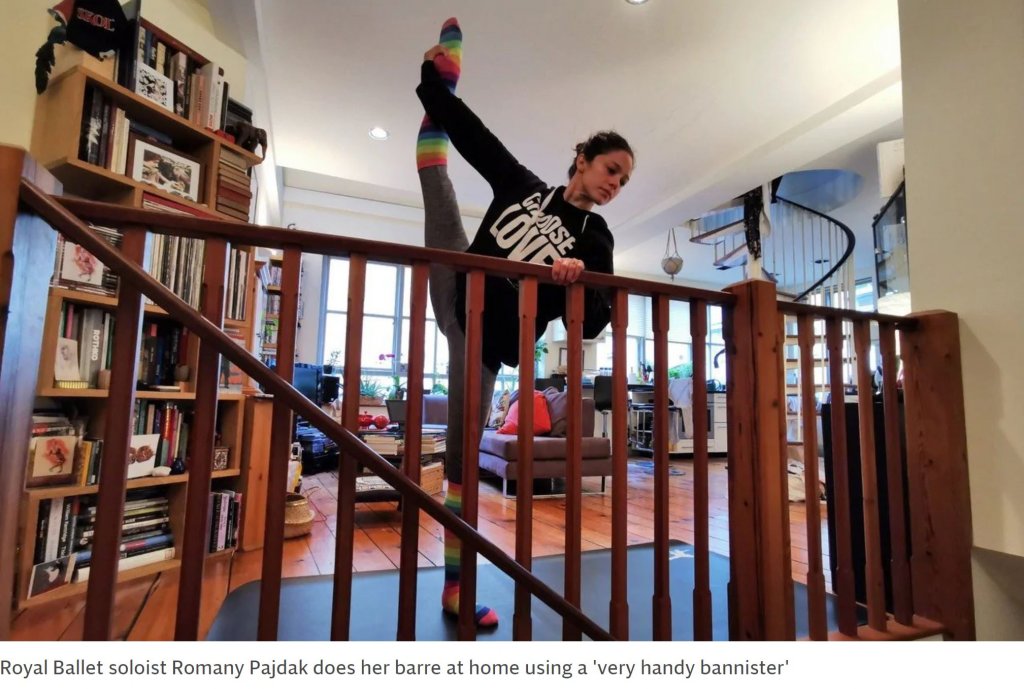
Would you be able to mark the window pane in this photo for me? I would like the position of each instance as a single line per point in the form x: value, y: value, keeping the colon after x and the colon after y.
x: 380, y: 290
x: 406, y: 291
x: 441, y: 355
x: 378, y: 339
x: 334, y: 336
x: 428, y: 345
x: 337, y: 286
x: 678, y: 354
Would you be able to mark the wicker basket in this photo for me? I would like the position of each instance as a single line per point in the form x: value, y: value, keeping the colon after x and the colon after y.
x: 298, y: 517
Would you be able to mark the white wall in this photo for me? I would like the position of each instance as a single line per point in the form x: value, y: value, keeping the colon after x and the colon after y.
x: 963, y: 90
x: 349, y: 217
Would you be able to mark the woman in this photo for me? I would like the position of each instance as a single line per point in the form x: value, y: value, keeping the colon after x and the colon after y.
x: 527, y: 221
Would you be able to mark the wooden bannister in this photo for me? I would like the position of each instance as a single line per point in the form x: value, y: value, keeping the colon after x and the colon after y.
x: 760, y: 589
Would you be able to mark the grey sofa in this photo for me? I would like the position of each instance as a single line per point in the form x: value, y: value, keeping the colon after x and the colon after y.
x: 499, y: 454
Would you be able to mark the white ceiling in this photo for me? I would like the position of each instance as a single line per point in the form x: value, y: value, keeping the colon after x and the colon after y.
x: 715, y: 96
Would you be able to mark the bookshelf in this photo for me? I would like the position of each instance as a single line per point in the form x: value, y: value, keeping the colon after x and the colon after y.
x: 64, y: 114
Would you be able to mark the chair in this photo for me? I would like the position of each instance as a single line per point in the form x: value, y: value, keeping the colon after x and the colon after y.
x: 557, y: 382
x: 603, y: 400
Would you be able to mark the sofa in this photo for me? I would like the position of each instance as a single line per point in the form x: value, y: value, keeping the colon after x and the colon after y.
x: 499, y: 453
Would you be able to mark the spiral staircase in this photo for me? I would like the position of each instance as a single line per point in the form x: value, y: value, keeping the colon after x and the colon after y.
x: 782, y: 232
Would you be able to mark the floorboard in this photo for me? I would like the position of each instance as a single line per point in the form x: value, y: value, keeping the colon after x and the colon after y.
x: 145, y: 608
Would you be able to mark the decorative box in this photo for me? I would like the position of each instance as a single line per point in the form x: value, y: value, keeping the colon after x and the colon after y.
x: 220, y: 458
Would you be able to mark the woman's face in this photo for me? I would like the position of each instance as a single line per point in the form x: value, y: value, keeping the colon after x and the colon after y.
x: 602, y: 178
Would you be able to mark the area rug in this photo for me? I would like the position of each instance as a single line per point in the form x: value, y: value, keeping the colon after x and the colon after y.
x: 306, y: 601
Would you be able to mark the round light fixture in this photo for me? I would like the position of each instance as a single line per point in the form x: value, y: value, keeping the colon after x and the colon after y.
x: 379, y: 134
x: 635, y: 2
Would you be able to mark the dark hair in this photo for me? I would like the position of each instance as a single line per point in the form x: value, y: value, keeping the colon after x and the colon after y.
x: 602, y: 142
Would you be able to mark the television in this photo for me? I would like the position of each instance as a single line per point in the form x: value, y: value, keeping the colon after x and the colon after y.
x: 308, y: 379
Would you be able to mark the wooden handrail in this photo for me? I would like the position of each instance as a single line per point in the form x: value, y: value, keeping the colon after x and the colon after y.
x: 332, y: 245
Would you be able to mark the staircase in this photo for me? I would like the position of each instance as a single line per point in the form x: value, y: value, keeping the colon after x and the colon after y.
x: 805, y: 252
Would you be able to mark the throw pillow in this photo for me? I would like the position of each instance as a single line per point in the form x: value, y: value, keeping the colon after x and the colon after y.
x: 499, y: 408
x: 541, y: 417
x: 558, y: 407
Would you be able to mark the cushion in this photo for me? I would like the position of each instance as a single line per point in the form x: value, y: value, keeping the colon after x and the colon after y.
x: 541, y: 417
x: 499, y: 408
x: 558, y: 408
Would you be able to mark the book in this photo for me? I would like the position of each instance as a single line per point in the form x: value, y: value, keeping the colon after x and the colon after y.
x: 127, y: 563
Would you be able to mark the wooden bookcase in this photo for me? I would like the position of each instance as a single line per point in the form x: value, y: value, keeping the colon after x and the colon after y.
x: 55, y: 144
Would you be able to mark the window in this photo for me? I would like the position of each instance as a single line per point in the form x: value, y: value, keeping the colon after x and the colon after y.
x: 384, y: 353
x: 640, y: 338
x: 386, y: 325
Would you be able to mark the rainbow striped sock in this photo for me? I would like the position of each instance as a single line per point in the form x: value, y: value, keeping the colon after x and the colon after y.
x: 485, y: 617
x: 432, y: 142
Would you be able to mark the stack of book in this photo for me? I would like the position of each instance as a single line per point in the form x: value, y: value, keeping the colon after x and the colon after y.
x: 225, y: 507
x: 145, y: 532
x: 431, y: 443
x: 234, y: 191
x: 384, y: 443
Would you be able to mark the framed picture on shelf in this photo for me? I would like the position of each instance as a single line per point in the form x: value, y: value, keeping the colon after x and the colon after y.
x: 163, y: 168
x: 51, y: 460
x: 142, y: 455
x: 154, y: 86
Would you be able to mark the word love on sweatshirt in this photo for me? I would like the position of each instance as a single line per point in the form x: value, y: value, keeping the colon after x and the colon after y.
x: 525, y: 233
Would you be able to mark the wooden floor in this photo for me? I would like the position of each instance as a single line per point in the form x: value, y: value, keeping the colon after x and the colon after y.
x: 145, y: 608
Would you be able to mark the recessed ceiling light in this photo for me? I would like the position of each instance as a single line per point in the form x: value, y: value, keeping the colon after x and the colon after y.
x: 379, y: 134
x: 635, y: 2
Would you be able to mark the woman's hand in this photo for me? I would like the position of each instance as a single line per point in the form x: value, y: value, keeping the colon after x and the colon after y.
x: 434, y: 52
x: 566, y: 271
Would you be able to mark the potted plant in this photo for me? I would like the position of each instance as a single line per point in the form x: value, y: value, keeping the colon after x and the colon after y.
x: 397, y: 390
x: 332, y: 361
x: 370, y: 392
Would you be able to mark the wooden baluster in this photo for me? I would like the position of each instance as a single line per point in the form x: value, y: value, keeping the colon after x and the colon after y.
x: 196, y: 541
x: 662, y: 599
x: 280, y: 443
x: 843, y: 585
x: 902, y: 595
x: 27, y: 246
x: 573, y: 454
x: 780, y: 362
x: 348, y: 467
x: 702, y: 627
x: 940, y: 498
x: 409, y: 555
x: 619, y: 606
x: 117, y: 435
x: 817, y: 620
x: 522, y: 623
x: 869, y: 478
x: 471, y: 448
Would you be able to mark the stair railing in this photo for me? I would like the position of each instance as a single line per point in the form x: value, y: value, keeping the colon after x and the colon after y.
x: 760, y: 591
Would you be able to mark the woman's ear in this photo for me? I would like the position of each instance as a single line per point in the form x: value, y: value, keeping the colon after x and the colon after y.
x: 580, y: 162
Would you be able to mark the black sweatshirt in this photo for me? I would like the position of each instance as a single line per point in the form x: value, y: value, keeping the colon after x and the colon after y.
x: 526, y: 221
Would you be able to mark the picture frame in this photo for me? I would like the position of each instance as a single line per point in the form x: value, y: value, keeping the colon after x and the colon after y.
x: 154, y: 86
x: 51, y: 460
x: 563, y: 357
x: 142, y: 455
x: 221, y: 456
x: 163, y: 168
x: 47, y: 576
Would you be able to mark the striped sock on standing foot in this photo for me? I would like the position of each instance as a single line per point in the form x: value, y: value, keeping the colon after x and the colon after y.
x: 485, y: 617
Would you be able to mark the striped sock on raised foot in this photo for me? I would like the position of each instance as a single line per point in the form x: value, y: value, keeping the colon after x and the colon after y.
x: 432, y: 142
x: 485, y: 617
